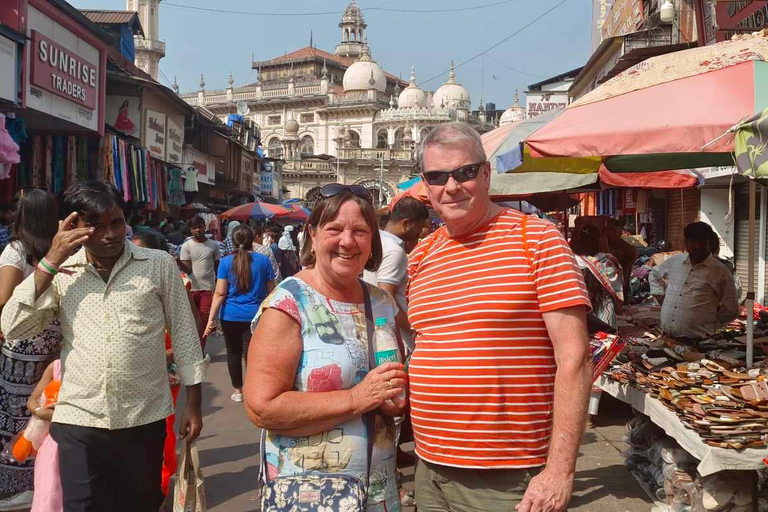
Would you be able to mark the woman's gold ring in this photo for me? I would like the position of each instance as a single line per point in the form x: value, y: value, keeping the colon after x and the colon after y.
x: 389, y: 384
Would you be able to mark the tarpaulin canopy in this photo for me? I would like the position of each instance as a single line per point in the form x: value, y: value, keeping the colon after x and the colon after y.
x: 668, y: 112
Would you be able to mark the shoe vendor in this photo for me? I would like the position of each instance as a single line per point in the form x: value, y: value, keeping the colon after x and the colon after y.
x: 697, y: 292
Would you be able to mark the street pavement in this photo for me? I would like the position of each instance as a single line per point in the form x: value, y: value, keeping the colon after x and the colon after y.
x: 229, y: 449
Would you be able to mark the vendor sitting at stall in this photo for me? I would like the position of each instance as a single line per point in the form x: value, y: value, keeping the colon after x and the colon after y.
x: 696, y: 292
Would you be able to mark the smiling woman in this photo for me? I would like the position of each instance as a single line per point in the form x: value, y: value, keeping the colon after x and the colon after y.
x: 308, y: 377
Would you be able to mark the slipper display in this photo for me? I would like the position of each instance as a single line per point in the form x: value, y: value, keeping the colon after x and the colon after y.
x: 704, y: 382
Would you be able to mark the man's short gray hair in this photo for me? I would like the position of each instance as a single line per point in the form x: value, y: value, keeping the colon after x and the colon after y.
x: 452, y: 134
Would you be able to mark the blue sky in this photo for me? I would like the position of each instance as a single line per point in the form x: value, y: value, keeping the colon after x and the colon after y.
x: 216, y: 43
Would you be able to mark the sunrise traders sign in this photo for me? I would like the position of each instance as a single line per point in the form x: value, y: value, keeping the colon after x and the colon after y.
x: 62, y: 72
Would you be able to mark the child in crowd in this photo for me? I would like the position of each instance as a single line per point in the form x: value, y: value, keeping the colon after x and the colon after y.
x: 47, y: 497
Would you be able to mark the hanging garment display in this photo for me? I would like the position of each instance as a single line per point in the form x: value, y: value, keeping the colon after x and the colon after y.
x: 9, y: 151
x: 175, y: 188
x: 47, y: 177
x: 59, y: 169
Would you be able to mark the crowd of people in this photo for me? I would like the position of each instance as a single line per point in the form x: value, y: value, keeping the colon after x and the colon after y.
x: 492, y: 313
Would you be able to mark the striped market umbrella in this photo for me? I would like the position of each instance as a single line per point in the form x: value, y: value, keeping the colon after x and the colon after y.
x: 256, y: 210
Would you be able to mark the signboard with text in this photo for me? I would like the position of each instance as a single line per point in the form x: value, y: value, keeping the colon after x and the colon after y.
x: 9, y: 62
x: 174, y: 146
x: 625, y: 17
x: 600, y: 10
x: 745, y: 16
x: 540, y: 103
x: 154, y: 133
x: 205, y: 165
x: 62, y: 72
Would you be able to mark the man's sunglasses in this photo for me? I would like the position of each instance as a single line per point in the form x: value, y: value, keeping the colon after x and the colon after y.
x: 460, y: 174
x: 334, y: 189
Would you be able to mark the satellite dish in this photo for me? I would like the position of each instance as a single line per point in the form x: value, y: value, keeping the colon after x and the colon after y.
x: 242, y: 108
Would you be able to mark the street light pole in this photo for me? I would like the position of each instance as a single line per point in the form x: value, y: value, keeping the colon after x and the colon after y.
x: 381, y: 181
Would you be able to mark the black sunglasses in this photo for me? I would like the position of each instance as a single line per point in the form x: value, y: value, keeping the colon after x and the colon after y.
x: 460, y: 174
x: 334, y: 189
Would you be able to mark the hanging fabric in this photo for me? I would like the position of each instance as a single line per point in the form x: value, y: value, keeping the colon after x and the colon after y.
x: 71, y: 164
x: 59, y: 164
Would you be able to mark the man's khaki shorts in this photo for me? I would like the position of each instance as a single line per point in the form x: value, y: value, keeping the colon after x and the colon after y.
x: 447, y: 489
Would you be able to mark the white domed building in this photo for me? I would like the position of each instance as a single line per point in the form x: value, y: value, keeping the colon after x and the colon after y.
x: 514, y: 113
x: 412, y: 96
x: 452, y: 95
x: 339, y: 117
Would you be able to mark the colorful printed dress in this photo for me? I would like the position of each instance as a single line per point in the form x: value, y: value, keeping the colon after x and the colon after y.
x: 335, y: 356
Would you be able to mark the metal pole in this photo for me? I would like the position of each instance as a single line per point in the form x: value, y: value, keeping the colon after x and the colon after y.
x: 381, y: 181
x: 751, y: 270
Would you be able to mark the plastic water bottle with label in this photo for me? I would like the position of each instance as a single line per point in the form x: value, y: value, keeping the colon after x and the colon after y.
x: 385, y: 345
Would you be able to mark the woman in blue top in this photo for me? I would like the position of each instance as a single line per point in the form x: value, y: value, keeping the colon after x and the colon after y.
x: 244, y: 279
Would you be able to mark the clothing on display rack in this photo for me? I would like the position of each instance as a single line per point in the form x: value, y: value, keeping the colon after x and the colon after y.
x: 190, y: 179
x: 176, y: 188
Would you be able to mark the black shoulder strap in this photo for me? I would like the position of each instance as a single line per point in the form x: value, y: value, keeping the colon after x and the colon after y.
x: 369, y: 418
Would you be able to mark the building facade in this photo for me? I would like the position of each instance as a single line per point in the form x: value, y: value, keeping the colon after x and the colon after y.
x: 339, y: 117
x: 149, y: 48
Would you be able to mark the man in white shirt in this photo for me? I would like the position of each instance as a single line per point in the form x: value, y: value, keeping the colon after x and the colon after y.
x: 696, y: 291
x: 402, y: 231
x: 115, y: 302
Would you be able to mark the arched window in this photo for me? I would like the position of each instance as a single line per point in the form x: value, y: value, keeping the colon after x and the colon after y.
x: 354, y: 139
x: 307, y: 147
x: 398, y: 138
x: 274, y: 148
x: 382, y: 141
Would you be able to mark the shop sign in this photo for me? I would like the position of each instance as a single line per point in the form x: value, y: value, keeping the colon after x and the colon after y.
x: 600, y: 10
x: 9, y: 62
x: 630, y: 201
x: 266, y: 180
x: 123, y: 113
x: 174, y: 146
x: 154, y: 131
x: 205, y: 166
x: 62, y: 72
x: 625, y: 17
x: 246, y: 172
x: 540, y: 103
x: 747, y: 15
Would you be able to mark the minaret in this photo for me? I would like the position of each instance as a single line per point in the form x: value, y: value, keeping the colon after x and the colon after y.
x: 149, y: 49
x: 352, y: 32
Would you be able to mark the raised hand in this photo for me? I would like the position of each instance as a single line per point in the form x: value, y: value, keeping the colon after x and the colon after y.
x: 66, y: 240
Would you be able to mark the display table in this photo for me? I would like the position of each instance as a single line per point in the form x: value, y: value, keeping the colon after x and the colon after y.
x: 711, y: 459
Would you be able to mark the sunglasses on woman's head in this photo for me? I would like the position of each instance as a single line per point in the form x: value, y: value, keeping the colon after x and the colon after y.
x: 460, y: 174
x: 334, y: 189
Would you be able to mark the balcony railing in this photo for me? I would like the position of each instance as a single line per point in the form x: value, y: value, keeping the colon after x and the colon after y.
x: 375, y: 154
x: 305, y: 165
x: 152, y: 45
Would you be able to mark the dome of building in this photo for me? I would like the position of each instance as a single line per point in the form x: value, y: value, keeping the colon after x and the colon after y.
x: 451, y: 94
x: 514, y: 113
x: 412, y: 96
x: 364, y: 74
x: 292, y: 127
x: 352, y: 14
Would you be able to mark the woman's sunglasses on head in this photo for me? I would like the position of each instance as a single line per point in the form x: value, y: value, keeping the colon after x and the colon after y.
x: 334, y: 189
x: 460, y: 174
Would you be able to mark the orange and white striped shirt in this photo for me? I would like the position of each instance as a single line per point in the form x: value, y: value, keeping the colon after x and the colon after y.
x: 483, y: 372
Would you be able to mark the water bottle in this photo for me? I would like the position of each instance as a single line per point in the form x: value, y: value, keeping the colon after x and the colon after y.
x: 385, y: 345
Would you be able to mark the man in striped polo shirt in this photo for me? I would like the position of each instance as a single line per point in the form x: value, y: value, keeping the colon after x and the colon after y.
x: 500, y: 377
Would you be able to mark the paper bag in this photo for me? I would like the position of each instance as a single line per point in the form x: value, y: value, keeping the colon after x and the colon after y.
x: 189, y: 491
